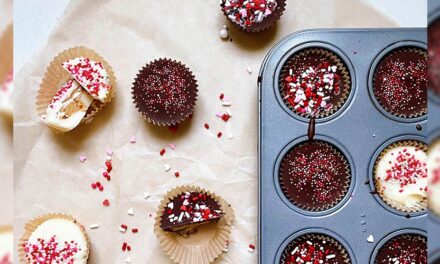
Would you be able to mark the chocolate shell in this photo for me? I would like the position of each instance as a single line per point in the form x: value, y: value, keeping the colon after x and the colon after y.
x: 315, y: 176
x: 410, y: 248
x: 400, y: 82
x: 165, y: 91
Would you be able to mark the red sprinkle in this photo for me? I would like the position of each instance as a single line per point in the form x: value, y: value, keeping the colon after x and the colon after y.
x: 177, y: 174
x: 128, y: 247
x: 251, y: 246
x: 219, y: 135
x: 206, y: 126
x: 124, y: 246
x: 135, y: 230
x: 162, y: 152
x: 106, y: 202
x: 221, y: 96
x: 226, y: 117
x: 101, y: 188
x: 93, y: 186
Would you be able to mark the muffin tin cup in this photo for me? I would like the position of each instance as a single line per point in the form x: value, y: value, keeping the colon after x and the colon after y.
x: 382, y: 55
x: 358, y: 130
x: 338, y: 205
x: 317, y: 231
x: 407, y: 231
x: 388, y: 204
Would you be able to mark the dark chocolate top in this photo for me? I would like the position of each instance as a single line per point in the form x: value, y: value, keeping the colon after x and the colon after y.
x: 190, y: 208
x: 315, y: 248
x: 165, y: 91
x: 314, y: 175
x: 401, y: 82
x: 405, y: 248
x: 312, y: 82
x: 434, y: 56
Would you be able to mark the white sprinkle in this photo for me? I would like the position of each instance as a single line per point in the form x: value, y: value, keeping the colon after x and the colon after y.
x: 224, y: 33
x: 370, y: 239
x: 130, y: 211
x: 230, y: 136
x: 330, y: 256
x: 82, y: 158
x: 146, y: 195
x: 249, y: 70
x: 167, y: 167
x: 94, y: 226
x: 128, y: 260
x: 122, y: 230
x: 251, y: 250
x: 133, y: 139
x: 226, y: 103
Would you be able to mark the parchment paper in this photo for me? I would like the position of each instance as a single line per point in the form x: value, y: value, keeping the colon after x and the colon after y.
x: 50, y: 178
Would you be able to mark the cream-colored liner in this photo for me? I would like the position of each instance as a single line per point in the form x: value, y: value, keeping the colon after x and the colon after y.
x: 32, y: 225
x: 329, y: 239
x: 337, y: 201
x: 345, y: 78
x: 56, y: 76
x: 6, y: 50
x: 435, y: 208
x: 202, y: 247
x: 423, y: 204
x: 415, y: 50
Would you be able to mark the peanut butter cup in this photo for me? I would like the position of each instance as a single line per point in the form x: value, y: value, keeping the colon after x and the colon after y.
x: 408, y: 248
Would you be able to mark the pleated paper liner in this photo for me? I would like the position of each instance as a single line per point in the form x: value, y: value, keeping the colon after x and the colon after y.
x: 423, y: 204
x: 32, y: 225
x: 267, y: 22
x: 329, y: 240
x: 202, y: 247
x: 337, y: 200
x: 158, y: 117
x: 422, y: 242
x: 6, y: 51
x: 56, y: 76
x: 434, y: 187
x: 6, y: 229
x: 342, y: 68
x: 415, y: 115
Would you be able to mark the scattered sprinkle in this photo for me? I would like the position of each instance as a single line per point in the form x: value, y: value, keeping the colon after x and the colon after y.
x: 123, y: 228
x: 224, y: 33
x: 133, y: 139
x: 251, y: 248
x: 370, y: 239
x: 166, y: 167
x: 130, y: 211
x: 249, y: 70
x: 146, y: 195
x: 134, y: 230
x: 128, y: 260
x: 94, y: 226
x: 172, y: 146
x: 230, y: 136
x: 82, y: 158
x: 222, y: 96
x: 177, y: 174
x: 110, y: 152
x: 206, y: 126
x: 106, y: 202
x: 219, y: 134
x: 226, y: 103
x: 162, y: 152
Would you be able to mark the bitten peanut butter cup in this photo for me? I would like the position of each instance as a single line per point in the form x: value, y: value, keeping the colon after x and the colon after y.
x: 165, y: 92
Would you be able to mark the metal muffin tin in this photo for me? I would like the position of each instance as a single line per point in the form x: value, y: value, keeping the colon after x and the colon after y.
x: 359, y: 130
x: 434, y: 132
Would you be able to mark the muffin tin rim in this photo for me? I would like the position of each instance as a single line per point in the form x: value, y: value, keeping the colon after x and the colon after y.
x: 318, y: 231
x: 323, y: 45
x: 341, y: 204
x: 371, y: 166
x: 378, y: 59
x: 387, y: 238
x: 435, y: 256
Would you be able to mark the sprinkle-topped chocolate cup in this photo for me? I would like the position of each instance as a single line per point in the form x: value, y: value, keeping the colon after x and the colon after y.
x: 315, y: 82
x: 434, y: 56
x: 165, y: 92
x: 315, y: 248
x: 254, y: 15
x: 408, y: 248
x: 401, y: 176
x: 315, y: 176
x: 400, y: 82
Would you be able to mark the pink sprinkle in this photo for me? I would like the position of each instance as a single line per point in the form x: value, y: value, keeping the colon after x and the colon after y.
x: 172, y: 146
x: 133, y: 139
x: 218, y: 114
x: 82, y: 158
x: 110, y: 152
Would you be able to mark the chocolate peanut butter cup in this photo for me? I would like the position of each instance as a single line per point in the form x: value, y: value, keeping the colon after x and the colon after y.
x: 407, y: 248
x: 434, y: 57
x: 165, y: 91
x: 400, y: 82
x: 315, y: 176
x: 401, y: 176
x: 253, y: 15
x: 315, y: 82
x: 315, y: 248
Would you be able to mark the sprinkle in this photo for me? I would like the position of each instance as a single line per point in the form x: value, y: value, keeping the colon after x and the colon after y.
x: 130, y: 211
x: 221, y: 96
x: 219, y: 134
x: 249, y: 70
x: 146, y: 195
x: 134, y: 230
x: 106, y: 202
x: 162, y: 152
x: 133, y: 139
x: 172, y: 146
x: 224, y: 34
x: 251, y: 248
x: 128, y: 260
x: 166, y: 167
x: 226, y: 103
x: 206, y: 126
x: 370, y: 239
x: 94, y: 226
x: 110, y: 152
x: 82, y: 158
x: 177, y: 174
x: 230, y: 136
x: 123, y: 228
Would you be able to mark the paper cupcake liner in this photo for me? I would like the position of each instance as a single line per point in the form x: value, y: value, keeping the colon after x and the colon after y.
x: 6, y: 50
x: 338, y: 200
x: 267, y: 23
x: 56, y: 76
x: 434, y: 207
x: 421, y: 238
x: 199, y: 248
x: 345, y: 79
x: 6, y: 229
x: 423, y: 205
x: 173, y: 121
x: 32, y: 225
x: 425, y: 110
x: 327, y: 238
